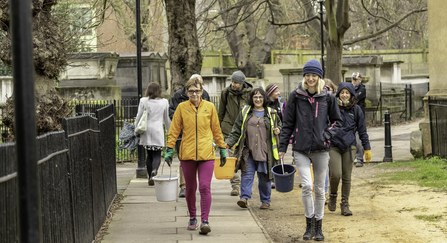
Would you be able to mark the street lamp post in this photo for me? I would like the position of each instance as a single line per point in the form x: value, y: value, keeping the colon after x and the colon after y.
x: 25, y: 123
x: 141, y: 171
x: 321, y: 33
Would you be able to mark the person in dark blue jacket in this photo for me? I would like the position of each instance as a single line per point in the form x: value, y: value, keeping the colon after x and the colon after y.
x: 306, y: 117
x: 343, y: 146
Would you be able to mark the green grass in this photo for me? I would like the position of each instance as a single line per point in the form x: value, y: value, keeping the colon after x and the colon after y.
x: 429, y: 218
x: 427, y: 173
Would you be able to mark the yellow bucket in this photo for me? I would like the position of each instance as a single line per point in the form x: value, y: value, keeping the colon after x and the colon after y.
x: 227, y: 171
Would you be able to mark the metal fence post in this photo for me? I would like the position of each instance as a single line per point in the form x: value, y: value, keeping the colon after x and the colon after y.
x: 381, y: 103
x: 406, y: 101
x: 388, y: 148
x: 411, y: 101
x: 431, y: 128
x: 25, y: 121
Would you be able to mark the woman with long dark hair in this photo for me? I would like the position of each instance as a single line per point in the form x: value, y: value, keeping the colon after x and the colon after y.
x: 153, y: 140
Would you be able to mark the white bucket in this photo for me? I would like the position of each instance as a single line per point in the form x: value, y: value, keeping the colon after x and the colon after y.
x: 166, y: 187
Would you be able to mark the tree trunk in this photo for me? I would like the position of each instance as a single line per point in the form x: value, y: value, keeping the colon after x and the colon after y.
x: 233, y: 35
x: 50, y: 46
x: 334, y: 61
x: 185, y: 58
x: 259, y: 49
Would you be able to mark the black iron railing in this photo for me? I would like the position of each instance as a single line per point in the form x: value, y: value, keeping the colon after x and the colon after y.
x: 77, y: 180
x: 438, y: 126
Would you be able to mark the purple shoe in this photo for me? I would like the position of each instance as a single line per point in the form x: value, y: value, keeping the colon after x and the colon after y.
x: 192, y: 224
x: 204, y: 228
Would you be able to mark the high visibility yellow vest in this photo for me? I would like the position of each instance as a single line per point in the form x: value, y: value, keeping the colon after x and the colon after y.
x: 245, y: 111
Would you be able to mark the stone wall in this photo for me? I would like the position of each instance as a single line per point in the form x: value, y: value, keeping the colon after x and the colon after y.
x: 6, y: 88
x: 90, y: 76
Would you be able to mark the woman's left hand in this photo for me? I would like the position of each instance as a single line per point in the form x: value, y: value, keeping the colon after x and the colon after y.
x: 276, y: 131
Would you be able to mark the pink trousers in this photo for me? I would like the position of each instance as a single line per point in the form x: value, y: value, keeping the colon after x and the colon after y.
x: 205, y: 170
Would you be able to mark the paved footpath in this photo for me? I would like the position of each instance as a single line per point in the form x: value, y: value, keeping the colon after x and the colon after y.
x: 144, y: 219
x: 400, y: 141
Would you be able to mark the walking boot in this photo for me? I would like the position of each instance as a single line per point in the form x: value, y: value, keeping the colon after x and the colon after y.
x: 332, y: 204
x: 344, y: 206
x: 310, y: 227
x: 235, y: 191
x: 318, y: 232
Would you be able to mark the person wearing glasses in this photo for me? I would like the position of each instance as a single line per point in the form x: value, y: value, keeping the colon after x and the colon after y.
x: 360, y: 93
x: 179, y: 97
x: 198, y: 120
x: 254, y: 141
x: 232, y: 99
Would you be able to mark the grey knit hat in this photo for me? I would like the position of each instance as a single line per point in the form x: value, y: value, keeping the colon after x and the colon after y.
x: 238, y: 77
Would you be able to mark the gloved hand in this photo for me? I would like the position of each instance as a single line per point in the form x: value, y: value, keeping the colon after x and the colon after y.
x: 223, y: 157
x: 168, y: 156
x: 368, y: 155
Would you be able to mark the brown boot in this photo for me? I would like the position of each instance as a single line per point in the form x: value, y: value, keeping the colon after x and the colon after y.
x: 235, y: 191
x: 344, y: 206
x: 332, y: 204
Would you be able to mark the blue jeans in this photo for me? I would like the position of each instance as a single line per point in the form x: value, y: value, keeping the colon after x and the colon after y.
x: 265, y: 188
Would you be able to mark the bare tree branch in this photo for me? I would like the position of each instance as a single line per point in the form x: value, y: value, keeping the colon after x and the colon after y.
x: 350, y: 42
x: 241, y: 19
x: 343, y: 14
x: 235, y: 6
x: 272, y: 21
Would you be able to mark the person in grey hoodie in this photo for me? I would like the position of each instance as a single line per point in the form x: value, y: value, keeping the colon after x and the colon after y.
x: 153, y: 140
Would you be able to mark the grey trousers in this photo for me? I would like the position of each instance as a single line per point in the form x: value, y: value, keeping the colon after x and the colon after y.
x: 320, y: 166
x: 360, y: 151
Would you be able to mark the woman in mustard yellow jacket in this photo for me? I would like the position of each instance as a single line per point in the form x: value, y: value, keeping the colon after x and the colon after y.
x: 200, y: 124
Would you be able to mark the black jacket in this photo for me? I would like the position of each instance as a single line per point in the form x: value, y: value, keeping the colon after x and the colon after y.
x: 279, y: 105
x: 360, y: 92
x: 346, y: 136
x: 179, y: 97
x: 306, y: 118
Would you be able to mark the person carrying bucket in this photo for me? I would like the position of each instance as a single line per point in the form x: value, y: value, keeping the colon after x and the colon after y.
x: 255, y: 146
x: 200, y: 124
x: 343, y: 146
x: 306, y: 117
x: 153, y: 139
x: 179, y: 97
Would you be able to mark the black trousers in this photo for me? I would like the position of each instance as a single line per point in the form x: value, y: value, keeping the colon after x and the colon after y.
x: 153, y: 160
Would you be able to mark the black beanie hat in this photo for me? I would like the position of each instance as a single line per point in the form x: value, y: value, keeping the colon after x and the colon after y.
x: 313, y: 66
